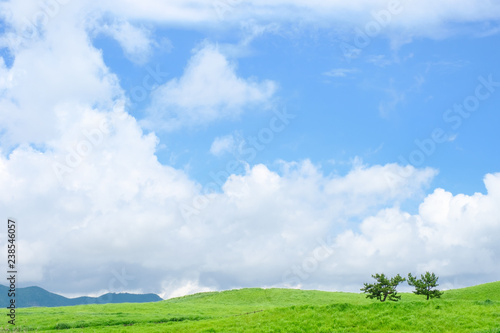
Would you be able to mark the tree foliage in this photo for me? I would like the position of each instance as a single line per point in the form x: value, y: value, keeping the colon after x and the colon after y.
x: 425, y: 285
x: 384, y: 288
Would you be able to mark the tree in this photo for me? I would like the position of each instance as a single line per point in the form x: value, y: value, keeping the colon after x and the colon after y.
x: 425, y: 285
x: 384, y: 288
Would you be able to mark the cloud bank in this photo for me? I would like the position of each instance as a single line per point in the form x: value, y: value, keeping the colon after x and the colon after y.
x: 98, y: 212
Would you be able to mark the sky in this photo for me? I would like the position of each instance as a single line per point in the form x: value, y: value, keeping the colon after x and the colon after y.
x: 179, y: 146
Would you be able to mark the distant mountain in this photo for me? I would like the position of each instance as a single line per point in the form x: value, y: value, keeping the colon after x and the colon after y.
x: 36, y: 296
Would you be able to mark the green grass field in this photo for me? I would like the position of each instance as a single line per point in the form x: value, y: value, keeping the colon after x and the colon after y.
x: 474, y: 309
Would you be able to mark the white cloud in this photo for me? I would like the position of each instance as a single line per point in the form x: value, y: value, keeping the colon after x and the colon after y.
x: 340, y: 72
x: 113, y: 209
x: 395, y: 97
x: 452, y: 235
x: 380, y: 60
x: 136, y: 42
x: 48, y: 78
x: 182, y: 288
x: 120, y: 208
x: 452, y: 138
x: 222, y: 145
x: 416, y: 18
x: 427, y: 18
x: 208, y: 90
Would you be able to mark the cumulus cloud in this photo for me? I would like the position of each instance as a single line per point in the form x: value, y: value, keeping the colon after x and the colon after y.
x: 416, y: 18
x: 263, y: 229
x: 79, y: 192
x: 413, y: 18
x: 452, y: 235
x: 97, y: 211
x: 208, y: 90
x: 49, y: 76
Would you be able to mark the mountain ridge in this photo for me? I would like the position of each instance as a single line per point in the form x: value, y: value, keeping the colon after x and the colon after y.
x: 35, y: 296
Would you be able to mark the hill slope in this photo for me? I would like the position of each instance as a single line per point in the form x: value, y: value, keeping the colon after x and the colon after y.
x: 487, y: 291
x: 36, y: 296
x: 279, y: 310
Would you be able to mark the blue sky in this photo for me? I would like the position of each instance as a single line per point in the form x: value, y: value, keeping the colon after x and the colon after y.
x: 214, y: 145
x: 373, y: 107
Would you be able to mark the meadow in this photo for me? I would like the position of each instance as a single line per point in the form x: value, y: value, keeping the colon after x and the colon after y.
x: 473, y: 309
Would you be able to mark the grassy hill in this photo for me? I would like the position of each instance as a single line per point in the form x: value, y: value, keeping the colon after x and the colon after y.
x: 487, y: 291
x: 475, y: 309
